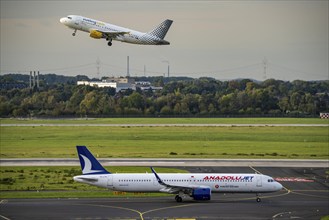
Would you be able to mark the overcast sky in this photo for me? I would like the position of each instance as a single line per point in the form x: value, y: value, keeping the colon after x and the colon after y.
x: 220, y: 39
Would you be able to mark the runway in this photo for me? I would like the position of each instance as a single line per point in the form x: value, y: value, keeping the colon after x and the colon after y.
x: 305, y: 196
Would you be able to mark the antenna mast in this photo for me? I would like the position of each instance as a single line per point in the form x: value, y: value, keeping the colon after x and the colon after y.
x: 265, y: 68
x: 98, y: 66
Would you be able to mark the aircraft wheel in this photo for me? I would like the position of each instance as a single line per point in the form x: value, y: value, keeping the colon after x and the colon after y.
x: 109, y: 43
x: 178, y: 198
x: 73, y: 34
x: 258, y: 200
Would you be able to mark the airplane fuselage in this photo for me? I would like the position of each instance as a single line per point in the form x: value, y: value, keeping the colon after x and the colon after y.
x: 99, y: 29
x: 218, y: 183
x: 199, y: 186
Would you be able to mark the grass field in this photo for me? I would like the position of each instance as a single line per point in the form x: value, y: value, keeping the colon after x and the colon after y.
x: 54, y: 182
x: 165, y: 142
x: 168, y: 121
x: 144, y: 142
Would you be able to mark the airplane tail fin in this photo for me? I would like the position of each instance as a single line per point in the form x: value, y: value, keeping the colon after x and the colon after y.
x: 161, y: 30
x: 89, y: 164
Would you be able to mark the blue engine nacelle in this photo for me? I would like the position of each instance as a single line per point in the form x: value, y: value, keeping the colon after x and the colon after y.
x: 201, y: 194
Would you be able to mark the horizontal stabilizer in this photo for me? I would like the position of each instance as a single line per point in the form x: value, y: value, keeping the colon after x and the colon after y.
x: 88, y: 179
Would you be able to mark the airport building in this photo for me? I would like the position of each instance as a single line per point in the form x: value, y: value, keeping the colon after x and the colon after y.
x: 120, y: 83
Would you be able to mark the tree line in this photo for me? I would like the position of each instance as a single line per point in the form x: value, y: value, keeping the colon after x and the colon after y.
x: 180, y: 97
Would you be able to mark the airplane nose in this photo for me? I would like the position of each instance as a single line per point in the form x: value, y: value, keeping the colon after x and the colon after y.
x: 62, y: 20
x: 279, y: 186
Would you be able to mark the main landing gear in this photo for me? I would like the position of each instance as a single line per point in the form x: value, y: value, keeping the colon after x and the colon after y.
x: 178, y: 198
x: 75, y: 31
x: 109, y: 41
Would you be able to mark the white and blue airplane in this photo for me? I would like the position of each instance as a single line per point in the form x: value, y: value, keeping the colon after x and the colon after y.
x: 99, y: 29
x: 199, y: 186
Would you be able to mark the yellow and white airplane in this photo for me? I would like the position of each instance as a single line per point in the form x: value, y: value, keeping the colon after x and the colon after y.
x: 99, y: 29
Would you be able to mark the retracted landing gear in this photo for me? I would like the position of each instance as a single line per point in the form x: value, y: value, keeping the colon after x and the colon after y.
x: 75, y: 31
x: 178, y: 198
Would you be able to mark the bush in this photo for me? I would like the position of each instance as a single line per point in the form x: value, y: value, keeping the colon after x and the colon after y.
x: 7, y: 181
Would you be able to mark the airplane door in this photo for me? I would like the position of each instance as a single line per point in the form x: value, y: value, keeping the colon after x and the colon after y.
x: 110, y: 181
x: 259, y: 181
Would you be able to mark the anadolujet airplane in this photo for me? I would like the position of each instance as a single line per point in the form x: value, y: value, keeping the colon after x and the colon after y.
x: 199, y: 186
x: 100, y: 29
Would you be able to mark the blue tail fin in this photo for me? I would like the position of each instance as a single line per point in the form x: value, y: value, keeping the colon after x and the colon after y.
x: 89, y: 164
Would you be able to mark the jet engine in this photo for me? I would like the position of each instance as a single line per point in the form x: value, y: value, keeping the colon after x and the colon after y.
x: 96, y: 34
x: 201, y: 194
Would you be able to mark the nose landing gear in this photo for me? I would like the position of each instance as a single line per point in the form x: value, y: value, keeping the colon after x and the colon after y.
x: 257, y: 198
x: 75, y: 31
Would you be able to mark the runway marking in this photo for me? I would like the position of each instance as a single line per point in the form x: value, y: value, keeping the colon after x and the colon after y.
x: 142, y: 213
x: 312, y: 190
x: 255, y: 170
x: 292, y: 179
x: 116, y: 207
x: 170, y: 207
x: 304, y: 194
x: 279, y: 214
x: 1, y: 216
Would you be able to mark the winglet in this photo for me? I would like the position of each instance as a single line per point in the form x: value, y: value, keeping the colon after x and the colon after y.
x: 158, y: 178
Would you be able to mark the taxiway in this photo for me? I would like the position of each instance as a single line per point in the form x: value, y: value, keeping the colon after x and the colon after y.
x: 305, y: 196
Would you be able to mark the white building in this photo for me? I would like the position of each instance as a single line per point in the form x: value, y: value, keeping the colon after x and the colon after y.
x: 117, y: 83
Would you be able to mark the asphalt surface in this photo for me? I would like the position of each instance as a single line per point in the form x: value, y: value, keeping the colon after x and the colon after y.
x: 305, y: 196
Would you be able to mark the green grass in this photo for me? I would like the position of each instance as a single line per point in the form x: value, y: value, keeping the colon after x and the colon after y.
x: 56, y: 182
x: 168, y: 121
x: 166, y: 142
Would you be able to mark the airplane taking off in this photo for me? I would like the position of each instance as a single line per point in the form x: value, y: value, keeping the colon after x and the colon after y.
x: 99, y: 29
x: 199, y: 186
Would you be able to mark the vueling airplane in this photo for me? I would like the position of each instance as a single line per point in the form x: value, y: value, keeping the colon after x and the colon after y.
x: 99, y: 29
x: 199, y: 186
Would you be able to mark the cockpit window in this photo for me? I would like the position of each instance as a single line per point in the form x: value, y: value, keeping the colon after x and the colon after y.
x: 270, y: 180
x: 69, y: 17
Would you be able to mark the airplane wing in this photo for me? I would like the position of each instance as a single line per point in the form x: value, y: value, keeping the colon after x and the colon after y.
x: 174, y: 188
x: 112, y: 34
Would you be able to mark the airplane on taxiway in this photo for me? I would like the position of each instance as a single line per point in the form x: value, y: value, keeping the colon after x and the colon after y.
x: 99, y: 29
x: 199, y: 186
